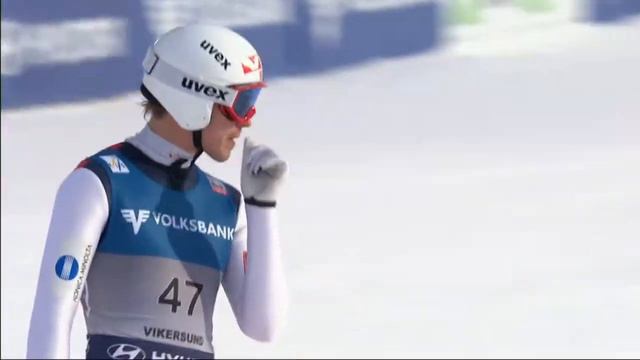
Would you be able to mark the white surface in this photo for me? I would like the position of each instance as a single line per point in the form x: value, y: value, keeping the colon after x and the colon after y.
x: 437, y: 205
x: 62, y: 42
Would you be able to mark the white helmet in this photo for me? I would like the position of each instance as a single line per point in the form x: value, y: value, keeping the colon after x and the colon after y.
x: 190, y: 68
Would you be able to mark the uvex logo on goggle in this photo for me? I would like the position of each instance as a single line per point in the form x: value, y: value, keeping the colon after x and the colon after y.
x: 203, y: 88
x: 220, y: 58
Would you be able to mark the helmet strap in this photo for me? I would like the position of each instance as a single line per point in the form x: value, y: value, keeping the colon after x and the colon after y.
x: 197, y: 142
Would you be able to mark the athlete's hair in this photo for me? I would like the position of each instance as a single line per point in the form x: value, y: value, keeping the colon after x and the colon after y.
x: 153, y: 109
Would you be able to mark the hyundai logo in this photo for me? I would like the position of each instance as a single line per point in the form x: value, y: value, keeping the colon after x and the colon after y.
x: 125, y: 351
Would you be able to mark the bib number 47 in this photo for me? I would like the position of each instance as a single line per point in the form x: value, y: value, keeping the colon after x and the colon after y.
x: 171, y: 296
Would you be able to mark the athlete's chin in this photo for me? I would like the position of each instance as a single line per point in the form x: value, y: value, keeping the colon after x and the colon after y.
x: 221, y: 156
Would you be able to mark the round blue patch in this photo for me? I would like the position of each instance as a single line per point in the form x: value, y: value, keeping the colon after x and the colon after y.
x: 67, y: 267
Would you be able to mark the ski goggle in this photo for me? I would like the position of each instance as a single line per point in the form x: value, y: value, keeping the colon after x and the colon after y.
x: 237, y: 102
x: 243, y: 107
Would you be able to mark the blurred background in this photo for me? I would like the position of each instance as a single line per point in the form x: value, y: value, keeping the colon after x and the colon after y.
x: 464, y: 174
x: 70, y: 51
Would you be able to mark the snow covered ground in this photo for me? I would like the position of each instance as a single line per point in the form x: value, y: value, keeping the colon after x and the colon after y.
x: 439, y: 205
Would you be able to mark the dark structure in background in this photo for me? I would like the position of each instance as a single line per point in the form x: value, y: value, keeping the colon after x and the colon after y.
x: 603, y: 11
x: 287, y: 48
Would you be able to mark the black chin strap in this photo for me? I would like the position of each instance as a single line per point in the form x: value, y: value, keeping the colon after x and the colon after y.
x: 197, y: 142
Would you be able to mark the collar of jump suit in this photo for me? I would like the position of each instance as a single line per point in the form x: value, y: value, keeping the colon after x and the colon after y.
x: 159, y: 149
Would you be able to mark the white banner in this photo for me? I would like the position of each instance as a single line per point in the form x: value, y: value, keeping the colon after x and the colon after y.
x: 64, y: 42
x: 164, y: 15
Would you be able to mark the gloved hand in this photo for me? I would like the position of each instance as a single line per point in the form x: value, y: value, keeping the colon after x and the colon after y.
x: 262, y: 175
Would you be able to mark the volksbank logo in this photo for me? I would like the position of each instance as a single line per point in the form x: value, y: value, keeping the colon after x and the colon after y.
x: 137, y: 219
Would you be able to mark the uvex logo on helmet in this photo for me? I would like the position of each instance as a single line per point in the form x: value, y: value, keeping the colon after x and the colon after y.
x: 208, y: 90
x: 220, y: 58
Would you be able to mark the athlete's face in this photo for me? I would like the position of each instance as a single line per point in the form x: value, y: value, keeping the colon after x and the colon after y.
x: 219, y: 137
